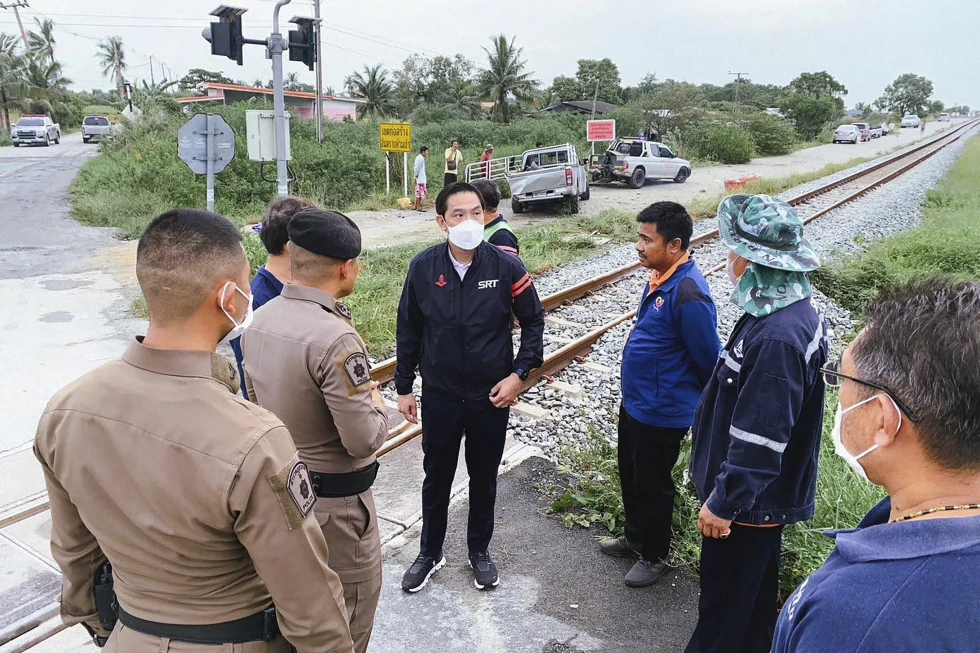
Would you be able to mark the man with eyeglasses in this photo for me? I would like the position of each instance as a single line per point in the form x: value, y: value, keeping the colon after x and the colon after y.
x: 756, y: 432
x: 908, y: 420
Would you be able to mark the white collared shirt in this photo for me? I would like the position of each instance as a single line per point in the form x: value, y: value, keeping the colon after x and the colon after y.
x: 460, y: 268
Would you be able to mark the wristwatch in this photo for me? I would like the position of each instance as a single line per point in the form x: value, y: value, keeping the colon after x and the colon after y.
x: 522, y: 374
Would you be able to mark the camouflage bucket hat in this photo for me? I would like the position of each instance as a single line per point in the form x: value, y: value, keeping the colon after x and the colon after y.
x: 767, y: 231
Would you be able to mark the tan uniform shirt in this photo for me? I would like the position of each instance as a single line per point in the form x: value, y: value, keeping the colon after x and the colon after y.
x: 305, y: 362
x: 194, y: 495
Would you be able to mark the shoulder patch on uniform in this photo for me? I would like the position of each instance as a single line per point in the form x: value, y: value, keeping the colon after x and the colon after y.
x: 358, y: 369
x: 343, y: 311
x: 294, y: 490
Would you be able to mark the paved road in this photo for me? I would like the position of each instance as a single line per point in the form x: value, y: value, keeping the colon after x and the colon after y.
x: 64, y: 313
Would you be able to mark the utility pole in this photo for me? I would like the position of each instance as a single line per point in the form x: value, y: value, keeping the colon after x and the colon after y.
x: 152, y: 81
x: 319, y: 71
x: 14, y: 6
x: 738, y: 82
x: 277, y: 44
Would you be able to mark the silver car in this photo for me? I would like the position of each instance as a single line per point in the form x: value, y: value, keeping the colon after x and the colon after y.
x: 847, y: 134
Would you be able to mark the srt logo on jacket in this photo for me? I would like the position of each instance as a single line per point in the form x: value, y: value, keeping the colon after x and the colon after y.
x: 487, y: 283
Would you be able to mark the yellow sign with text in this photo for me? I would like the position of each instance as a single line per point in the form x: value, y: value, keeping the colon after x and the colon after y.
x: 396, y: 137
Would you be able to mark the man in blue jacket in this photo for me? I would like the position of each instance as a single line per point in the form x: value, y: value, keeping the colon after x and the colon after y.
x: 757, y: 429
x: 667, y: 361
x: 454, y: 324
x: 908, y: 420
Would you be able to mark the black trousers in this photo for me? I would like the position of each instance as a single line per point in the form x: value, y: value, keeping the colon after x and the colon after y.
x: 449, y: 178
x: 739, y: 585
x: 647, y: 455
x: 444, y: 423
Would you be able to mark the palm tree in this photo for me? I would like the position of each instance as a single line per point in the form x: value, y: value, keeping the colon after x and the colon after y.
x: 112, y: 58
x: 545, y: 99
x: 42, y: 42
x: 291, y: 81
x: 374, y: 87
x: 463, y: 94
x: 11, y: 72
x: 44, y: 76
x: 505, y: 76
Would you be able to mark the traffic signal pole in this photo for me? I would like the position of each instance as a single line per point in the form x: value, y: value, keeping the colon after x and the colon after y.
x: 319, y: 72
x: 276, y: 48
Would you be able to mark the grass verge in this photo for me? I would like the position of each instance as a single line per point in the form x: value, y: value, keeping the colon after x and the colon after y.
x: 947, y: 243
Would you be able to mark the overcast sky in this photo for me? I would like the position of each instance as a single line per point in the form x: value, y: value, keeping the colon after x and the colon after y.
x: 864, y: 45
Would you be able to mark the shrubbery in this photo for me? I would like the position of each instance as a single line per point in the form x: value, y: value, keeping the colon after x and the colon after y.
x: 771, y: 136
x: 139, y: 175
x: 722, y: 143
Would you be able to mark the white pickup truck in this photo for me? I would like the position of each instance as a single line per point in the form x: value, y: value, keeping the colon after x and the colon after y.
x: 95, y: 127
x: 543, y: 175
x: 38, y: 130
x: 633, y: 161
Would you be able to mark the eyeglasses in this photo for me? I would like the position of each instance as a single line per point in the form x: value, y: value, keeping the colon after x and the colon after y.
x: 832, y: 377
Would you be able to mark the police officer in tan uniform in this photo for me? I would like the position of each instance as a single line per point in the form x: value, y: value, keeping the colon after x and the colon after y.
x: 305, y: 362
x: 195, y: 496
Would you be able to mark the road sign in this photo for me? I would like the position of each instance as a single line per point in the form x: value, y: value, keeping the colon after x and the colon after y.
x: 192, y: 144
x: 600, y: 130
x: 207, y: 145
x: 396, y: 137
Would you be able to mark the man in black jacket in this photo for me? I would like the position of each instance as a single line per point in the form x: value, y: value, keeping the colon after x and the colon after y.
x: 454, y: 324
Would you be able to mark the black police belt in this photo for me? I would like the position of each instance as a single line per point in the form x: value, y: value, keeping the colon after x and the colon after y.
x: 332, y: 486
x: 259, y: 627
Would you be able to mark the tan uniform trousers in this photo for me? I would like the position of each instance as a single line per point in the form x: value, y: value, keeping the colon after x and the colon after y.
x: 127, y: 640
x: 350, y: 527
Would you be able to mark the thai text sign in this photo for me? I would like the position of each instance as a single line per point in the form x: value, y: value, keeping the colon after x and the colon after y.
x: 396, y: 137
x: 600, y: 130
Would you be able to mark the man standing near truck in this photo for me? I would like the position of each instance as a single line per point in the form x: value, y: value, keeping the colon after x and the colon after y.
x: 454, y: 157
x: 496, y: 231
x: 421, y: 189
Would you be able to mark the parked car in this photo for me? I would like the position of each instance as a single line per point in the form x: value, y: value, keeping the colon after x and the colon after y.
x: 847, y: 134
x: 887, y: 128
x: 944, y: 117
x: 865, y: 130
x: 39, y: 130
x: 95, y: 127
x: 910, y: 121
x: 548, y: 174
x: 633, y: 161
x: 877, y: 131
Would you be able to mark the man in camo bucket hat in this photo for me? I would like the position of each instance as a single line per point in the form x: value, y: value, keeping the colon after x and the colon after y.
x: 756, y: 432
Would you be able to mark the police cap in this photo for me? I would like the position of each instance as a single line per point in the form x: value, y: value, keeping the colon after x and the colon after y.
x: 327, y: 233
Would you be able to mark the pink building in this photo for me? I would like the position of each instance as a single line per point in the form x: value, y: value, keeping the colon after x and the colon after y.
x: 304, y: 104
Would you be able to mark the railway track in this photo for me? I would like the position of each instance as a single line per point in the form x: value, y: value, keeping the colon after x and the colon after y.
x: 811, y: 205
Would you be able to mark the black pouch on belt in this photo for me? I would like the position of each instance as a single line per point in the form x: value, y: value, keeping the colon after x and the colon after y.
x: 330, y: 486
x: 105, y: 597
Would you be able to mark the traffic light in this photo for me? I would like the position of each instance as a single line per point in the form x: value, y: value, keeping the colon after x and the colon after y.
x: 225, y: 35
x: 302, y: 41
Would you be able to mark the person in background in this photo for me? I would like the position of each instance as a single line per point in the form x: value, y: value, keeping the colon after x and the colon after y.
x: 421, y: 189
x: 922, y: 127
x: 496, y: 231
x: 270, y: 277
x: 538, y: 144
x: 195, y: 497
x: 757, y: 429
x: 453, y: 157
x: 455, y: 324
x: 484, y: 159
x: 306, y: 363
x: 908, y: 420
x: 667, y: 361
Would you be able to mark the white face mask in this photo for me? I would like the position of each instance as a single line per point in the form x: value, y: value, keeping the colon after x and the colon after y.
x: 239, y: 327
x: 467, y: 235
x: 730, y: 269
x: 839, y: 448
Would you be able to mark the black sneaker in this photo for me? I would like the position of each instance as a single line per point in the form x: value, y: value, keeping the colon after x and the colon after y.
x: 484, y: 571
x: 420, y: 572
